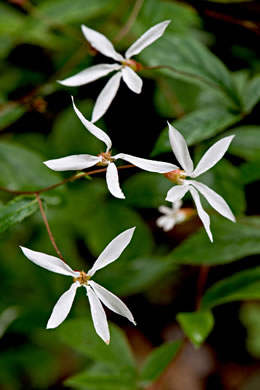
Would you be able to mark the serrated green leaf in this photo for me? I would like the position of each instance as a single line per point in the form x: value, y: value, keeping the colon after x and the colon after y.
x: 17, y: 210
x: 157, y: 362
x: 242, y: 286
x: 80, y: 335
x: 232, y: 241
x: 197, y: 325
x: 190, y: 61
x: 252, y: 94
x: 198, y: 126
x: 23, y: 169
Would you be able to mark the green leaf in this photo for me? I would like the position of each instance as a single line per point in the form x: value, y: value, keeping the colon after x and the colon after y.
x: 157, y: 362
x: 17, y: 210
x: 80, y: 335
x: 146, y: 189
x: 250, y: 318
x: 135, y: 276
x: 246, y: 143
x: 23, y: 169
x: 197, y: 326
x: 197, y: 126
x: 10, y: 114
x: 109, y: 220
x: 67, y: 11
x: 252, y: 94
x: 242, y: 286
x: 190, y: 61
x: 250, y: 171
x: 232, y: 241
x: 100, y: 377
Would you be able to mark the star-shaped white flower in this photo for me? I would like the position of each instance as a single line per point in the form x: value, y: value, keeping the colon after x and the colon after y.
x: 172, y: 216
x: 210, y: 158
x: 83, y: 161
x: 96, y: 293
x: 126, y: 69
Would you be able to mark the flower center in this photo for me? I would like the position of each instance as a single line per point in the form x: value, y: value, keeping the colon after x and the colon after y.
x: 106, y: 158
x: 136, y: 66
x: 83, y: 278
x: 177, y: 176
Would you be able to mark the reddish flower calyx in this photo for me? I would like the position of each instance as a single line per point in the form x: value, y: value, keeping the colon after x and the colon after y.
x: 177, y: 176
x: 83, y: 278
x: 106, y: 158
x: 136, y: 66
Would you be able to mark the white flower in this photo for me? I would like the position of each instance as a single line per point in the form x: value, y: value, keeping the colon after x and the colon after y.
x: 126, y: 69
x: 173, y: 216
x: 96, y: 293
x: 82, y: 161
x: 210, y: 158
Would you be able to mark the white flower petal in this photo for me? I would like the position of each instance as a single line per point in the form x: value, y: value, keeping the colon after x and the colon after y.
x: 180, y: 149
x: 113, y: 181
x: 100, y: 134
x: 62, y: 307
x: 132, y: 80
x: 51, y: 263
x: 177, y: 205
x: 166, y: 222
x: 165, y: 210
x: 147, y: 38
x: 212, y: 156
x: 101, y: 43
x: 176, y: 193
x: 106, y: 97
x: 113, y: 250
x: 201, y: 212
x: 214, y: 199
x: 98, y: 315
x: 72, y: 163
x: 112, y: 301
x: 147, y: 165
x: 90, y: 74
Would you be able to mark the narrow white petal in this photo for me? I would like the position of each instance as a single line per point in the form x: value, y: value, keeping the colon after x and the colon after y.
x: 132, y: 80
x: 112, y: 301
x: 176, y: 193
x: 72, y: 163
x: 113, y: 250
x: 98, y: 316
x: 62, y: 307
x: 51, y: 263
x: 147, y: 165
x: 180, y: 149
x: 113, y: 181
x: 201, y: 212
x: 177, y: 205
x: 100, y: 134
x: 214, y: 199
x: 90, y: 74
x: 165, y: 210
x: 147, y: 39
x: 101, y: 43
x: 106, y: 97
x: 212, y: 156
